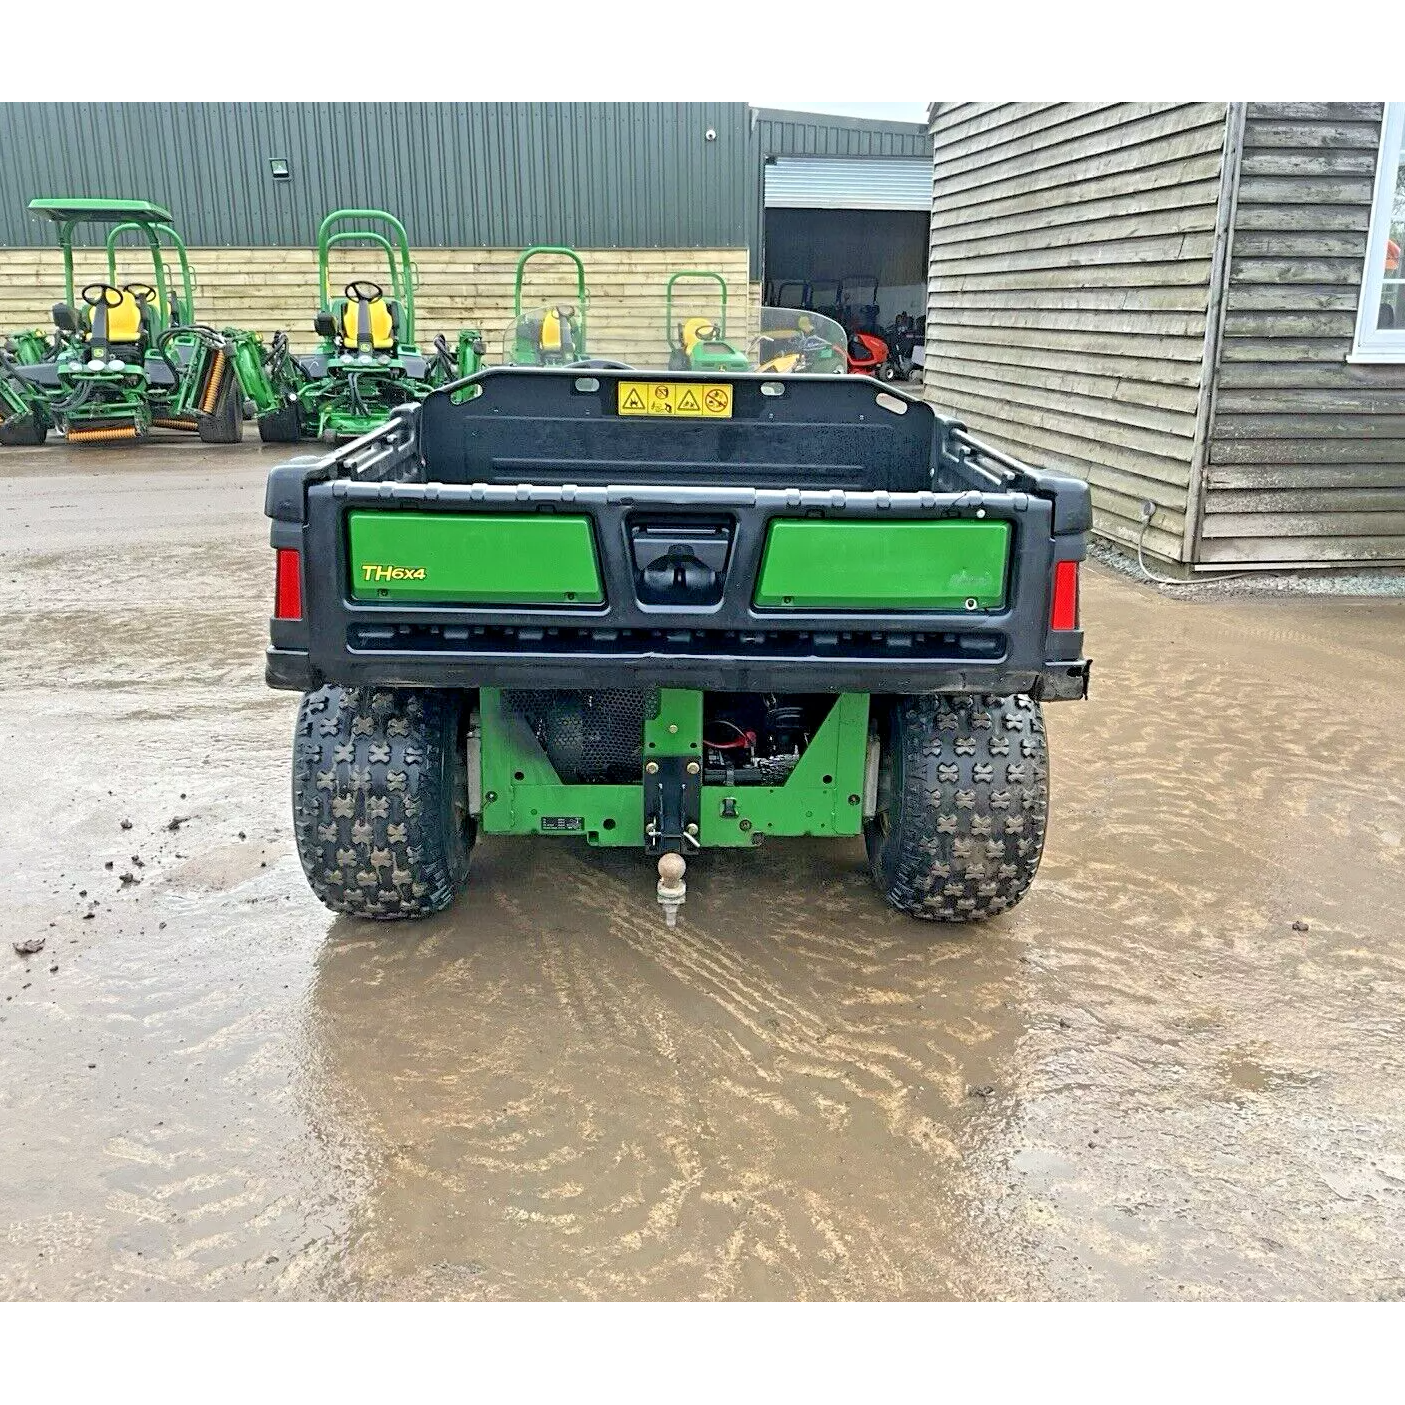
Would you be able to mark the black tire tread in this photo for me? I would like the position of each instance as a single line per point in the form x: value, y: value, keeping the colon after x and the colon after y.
x: 966, y: 823
x: 373, y: 772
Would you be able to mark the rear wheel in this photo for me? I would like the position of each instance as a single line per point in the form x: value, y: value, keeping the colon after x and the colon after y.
x: 380, y: 799
x: 23, y: 430
x: 225, y: 423
x: 963, y: 800
x: 281, y: 426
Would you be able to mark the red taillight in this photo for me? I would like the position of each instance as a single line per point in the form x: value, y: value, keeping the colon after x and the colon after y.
x: 1063, y: 610
x: 287, y: 590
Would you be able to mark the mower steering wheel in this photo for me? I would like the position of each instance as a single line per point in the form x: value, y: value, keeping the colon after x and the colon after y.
x: 598, y: 363
x: 357, y: 291
x: 142, y: 292
x: 101, y: 299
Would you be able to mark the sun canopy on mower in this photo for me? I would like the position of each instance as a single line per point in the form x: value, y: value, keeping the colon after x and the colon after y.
x: 71, y: 209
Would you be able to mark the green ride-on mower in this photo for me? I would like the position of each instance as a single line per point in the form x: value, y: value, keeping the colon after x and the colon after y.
x: 129, y: 357
x: 678, y: 612
x: 367, y: 361
x: 699, y: 343
x: 547, y: 336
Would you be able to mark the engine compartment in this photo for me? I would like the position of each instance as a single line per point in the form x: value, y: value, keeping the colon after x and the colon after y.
x: 596, y: 737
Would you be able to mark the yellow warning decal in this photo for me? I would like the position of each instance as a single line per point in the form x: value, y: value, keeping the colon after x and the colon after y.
x: 678, y: 399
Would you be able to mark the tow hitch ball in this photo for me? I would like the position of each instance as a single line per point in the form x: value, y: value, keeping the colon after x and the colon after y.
x: 673, y: 891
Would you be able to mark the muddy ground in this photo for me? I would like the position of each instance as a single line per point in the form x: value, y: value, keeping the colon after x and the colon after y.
x: 1174, y: 1072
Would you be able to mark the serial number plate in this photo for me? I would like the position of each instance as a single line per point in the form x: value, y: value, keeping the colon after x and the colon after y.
x: 675, y: 400
x: 563, y: 824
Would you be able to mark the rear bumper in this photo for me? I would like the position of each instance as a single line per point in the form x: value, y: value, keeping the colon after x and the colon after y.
x: 293, y: 669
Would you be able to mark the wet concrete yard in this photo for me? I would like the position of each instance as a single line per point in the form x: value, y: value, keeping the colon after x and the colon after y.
x: 1174, y: 1072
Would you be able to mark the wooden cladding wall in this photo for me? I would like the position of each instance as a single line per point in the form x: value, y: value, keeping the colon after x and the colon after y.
x: 1307, y: 452
x: 265, y: 289
x: 1071, y: 254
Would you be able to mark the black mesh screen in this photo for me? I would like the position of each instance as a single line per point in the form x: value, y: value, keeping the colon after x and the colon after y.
x: 589, y: 737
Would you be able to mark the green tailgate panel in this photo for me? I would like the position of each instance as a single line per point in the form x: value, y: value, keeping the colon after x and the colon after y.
x: 823, y: 565
x: 473, y: 558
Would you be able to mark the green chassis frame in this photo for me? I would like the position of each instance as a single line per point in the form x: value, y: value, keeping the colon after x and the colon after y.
x: 523, y: 352
x: 522, y: 794
x: 715, y: 355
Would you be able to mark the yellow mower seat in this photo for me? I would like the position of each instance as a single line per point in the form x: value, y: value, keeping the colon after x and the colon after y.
x: 381, y: 328
x: 120, y: 325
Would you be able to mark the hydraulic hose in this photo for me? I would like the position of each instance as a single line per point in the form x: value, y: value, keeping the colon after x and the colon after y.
x: 77, y: 400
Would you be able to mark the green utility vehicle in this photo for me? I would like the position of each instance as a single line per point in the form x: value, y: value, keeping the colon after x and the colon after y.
x: 678, y: 612
x: 367, y: 361
x: 128, y: 357
x: 699, y: 343
x: 546, y: 336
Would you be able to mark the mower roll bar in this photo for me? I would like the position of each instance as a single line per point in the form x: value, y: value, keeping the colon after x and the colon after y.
x: 402, y: 280
x: 152, y: 231
x: 704, y: 273
x: 537, y: 251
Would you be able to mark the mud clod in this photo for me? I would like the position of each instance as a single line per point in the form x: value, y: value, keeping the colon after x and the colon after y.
x: 1300, y: 926
x: 27, y: 946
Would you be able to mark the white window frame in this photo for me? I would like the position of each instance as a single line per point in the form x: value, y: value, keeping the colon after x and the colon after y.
x: 1372, y: 343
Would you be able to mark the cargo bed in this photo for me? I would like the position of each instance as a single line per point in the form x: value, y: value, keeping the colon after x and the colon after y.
x: 824, y: 534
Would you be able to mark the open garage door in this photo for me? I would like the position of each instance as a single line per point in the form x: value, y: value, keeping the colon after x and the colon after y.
x: 848, y: 183
x: 848, y: 237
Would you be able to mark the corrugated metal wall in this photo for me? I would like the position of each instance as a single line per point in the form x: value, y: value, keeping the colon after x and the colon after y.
x: 1307, y: 451
x: 460, y: 175
x: 778, y: 132
x: 782, y: 133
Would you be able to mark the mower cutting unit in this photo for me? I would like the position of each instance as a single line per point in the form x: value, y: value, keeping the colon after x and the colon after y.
x: 758, y: 606
x: 129, y: 357
x: 367, y: 362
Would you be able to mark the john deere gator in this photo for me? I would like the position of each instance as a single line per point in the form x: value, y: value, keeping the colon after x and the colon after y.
x: 678, y: 612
